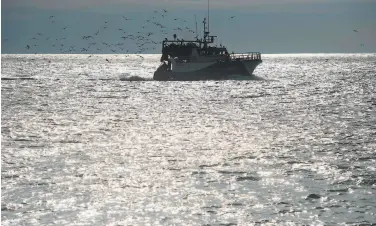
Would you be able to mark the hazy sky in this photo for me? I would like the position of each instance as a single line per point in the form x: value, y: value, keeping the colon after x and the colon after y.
x: 268, y: 26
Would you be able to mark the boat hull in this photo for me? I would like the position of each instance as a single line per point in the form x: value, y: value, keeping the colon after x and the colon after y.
x: 218, y: 71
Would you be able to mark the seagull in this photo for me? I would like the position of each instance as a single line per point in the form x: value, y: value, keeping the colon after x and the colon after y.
x: 232, y: 17
x: 355, y: 30
x: 107, y: 60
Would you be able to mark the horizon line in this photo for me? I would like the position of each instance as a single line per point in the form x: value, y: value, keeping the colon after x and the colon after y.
x: 159, y: 53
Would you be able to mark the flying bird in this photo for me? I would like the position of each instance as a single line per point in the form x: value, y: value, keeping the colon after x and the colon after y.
x: 355, y: 30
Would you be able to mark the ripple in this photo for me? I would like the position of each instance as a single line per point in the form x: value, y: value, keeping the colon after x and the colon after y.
x: 248, y: 178
x: 17, y: 78
x: 313, y: 196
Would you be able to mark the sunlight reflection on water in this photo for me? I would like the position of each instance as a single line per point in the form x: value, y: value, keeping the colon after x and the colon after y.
x: 84, y: 145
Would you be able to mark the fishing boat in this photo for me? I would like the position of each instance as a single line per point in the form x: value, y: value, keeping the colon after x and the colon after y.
x: 200, y: 59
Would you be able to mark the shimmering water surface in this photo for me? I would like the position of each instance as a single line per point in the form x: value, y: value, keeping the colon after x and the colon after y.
x: 83, y: 143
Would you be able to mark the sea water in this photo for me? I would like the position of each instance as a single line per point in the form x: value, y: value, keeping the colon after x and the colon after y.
x: 93, y: 140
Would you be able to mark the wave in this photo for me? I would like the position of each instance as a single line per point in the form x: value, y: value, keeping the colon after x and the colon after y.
x: 245, y: 77
x: 128, y: 77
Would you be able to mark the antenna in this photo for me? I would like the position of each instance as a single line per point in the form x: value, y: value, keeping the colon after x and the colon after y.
x: 208, y: 17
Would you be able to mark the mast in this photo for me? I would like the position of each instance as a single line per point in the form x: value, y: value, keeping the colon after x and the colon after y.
x: 205, y: 33
x: 196, y: 27
x: 206, y: 38
x: 204, y: 22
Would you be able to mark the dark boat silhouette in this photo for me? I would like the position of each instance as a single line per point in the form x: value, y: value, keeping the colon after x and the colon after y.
x: 200, y: 60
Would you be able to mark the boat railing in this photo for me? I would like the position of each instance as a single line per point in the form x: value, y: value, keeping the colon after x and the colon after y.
x: 246, y: 56
x: 233, y: 56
